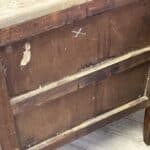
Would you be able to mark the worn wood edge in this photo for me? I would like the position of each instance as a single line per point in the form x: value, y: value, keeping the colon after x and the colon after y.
x: 42, y: 24
x: 146, y: 130
x: 147, y: 88
x: 90, y: 124
x: 8, y: 135
x: 76, y: 81
x: 21, y: 15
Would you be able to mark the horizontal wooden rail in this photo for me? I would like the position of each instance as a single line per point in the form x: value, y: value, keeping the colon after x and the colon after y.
x: 57, y: 19
x: 79, y: 80
x: 90, y: 124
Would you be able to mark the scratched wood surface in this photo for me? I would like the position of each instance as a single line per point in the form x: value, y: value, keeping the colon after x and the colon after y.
x: 55, y: 54
x: 126, y: 133
x: 13, y: 26
x: 100, y: 37
x: 96, y: 99
x: 34, y: 56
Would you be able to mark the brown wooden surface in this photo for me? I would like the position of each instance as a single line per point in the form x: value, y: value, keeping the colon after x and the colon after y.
x: 39, y: 25
x: 77, y: 81
x: 88, y: 126
x: 147, y: 126
x: 147, y: 89
x: 107, y: 35
x: 8, y: 139
x: 147, y: 113
x: 95, y: 99
x: 61, y: 53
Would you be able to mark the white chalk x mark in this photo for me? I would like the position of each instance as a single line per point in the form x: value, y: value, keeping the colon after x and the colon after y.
x: 78, y: 33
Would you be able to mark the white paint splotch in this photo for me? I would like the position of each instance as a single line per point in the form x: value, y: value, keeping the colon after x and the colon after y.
x: 26, y: 55
x: 78, y: 33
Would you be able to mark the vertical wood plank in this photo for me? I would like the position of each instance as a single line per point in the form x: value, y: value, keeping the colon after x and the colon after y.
x: 147, y: 126
x: 147, y: 113
x: 147, y: 88
x: 8, y: 139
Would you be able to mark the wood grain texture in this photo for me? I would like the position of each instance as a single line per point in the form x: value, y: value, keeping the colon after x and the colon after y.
x: 147, y: 126
x: 104, y: 36
x: 80, y: 80
x: 147, y: 113
x: 95, y: 99
x: 74, y: 73
x: 147, y: 88
x: 8, y: 138
x: 91, y: 124
x: 46, y: 23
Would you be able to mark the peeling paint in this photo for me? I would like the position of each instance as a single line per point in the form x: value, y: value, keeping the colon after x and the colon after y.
x: 26, y: 55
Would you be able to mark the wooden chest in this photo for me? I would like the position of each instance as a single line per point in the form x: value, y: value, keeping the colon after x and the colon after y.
x: 68, y: 67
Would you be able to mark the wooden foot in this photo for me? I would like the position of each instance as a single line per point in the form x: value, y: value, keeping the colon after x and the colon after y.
x: 147, y: 126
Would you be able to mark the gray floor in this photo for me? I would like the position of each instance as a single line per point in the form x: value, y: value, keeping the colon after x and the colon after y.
x: 125, y: 134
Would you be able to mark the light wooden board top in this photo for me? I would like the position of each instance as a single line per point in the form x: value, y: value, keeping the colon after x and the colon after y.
x: 18, y: 11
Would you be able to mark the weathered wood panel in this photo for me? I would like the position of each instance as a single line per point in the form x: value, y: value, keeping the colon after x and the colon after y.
x: 92, y: 124
x: 86, y: 77
x: 55, y: 20
x: 40, y: 58
x: 147, y: 126
x: 95, y: 99
x: 104, y: 36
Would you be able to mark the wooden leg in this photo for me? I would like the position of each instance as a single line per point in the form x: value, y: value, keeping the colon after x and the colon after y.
x: 147, y: 114
x: 8, y: 140
x: 147, y: 126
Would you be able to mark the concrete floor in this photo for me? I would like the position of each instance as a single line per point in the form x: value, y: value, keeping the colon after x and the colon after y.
x: 125, y: 134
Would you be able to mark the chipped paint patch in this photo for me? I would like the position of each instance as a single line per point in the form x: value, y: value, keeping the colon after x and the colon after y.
x: 26, y: 55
